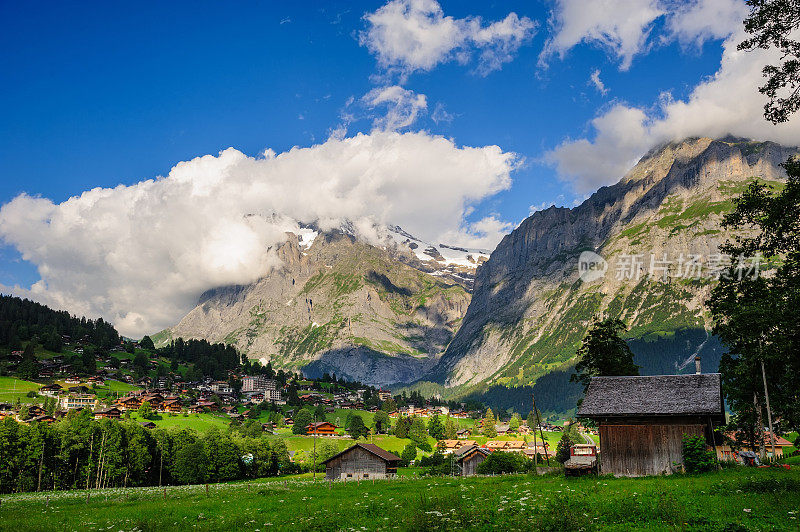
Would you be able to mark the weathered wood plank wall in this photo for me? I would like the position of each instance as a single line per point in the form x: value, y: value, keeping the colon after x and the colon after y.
x: 647, y: 449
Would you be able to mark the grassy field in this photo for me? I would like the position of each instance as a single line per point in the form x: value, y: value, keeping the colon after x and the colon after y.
x: 12, y: 389
x: 199, y: 422
x: 730, y: 500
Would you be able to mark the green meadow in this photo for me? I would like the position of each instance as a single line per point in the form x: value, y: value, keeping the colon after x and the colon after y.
x: 730, y: 500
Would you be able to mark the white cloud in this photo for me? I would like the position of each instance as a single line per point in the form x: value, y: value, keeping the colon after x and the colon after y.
x: 440, y: 114
x: 140, y: 255
x: 620, y: 26
x: 403, y: 106
x: 621, y: 137
x: 410, y: 35
x: 726, y: 103
x: 485, y: 233
x: 594, y: 79
x: 694, y: 23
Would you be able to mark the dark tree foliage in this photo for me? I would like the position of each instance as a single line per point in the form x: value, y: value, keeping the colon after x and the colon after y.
x: 756, y: 315
x: 771, y: 23
x: 23, y: 320
x: 604, y: 353
x: 696, y: 456
x: 563, y: 448
x: 212, y: 360
x: 147, y: 343
x: 500, y: 462
x: 79, y: 452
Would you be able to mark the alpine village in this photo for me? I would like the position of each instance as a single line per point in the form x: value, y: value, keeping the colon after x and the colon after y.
x: 627, y: 362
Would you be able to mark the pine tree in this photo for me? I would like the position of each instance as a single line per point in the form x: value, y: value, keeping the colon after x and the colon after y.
x: 489, y: 424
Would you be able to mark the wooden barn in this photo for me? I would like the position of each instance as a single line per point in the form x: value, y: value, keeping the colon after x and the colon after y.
x: 469, y: 457
x: 643, y: 420
x: 361, y: 461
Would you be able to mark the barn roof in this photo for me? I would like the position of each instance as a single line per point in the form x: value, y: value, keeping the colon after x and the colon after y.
x: 657, y: 395
x: 370, y: 448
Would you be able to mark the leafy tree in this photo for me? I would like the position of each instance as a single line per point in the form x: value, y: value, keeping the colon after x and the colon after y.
x: 418, y: 433
x: 514, y: 423
x: 147, y: 343
x: 402, y: 426
x: 145, y: 410
x: 489, y: 424
x: 356, y: 428
x: 603, y: 353
x: 409, y: 453
x: 141, y: 362
x: 696, y: 456
x: 436, y: 428
x: 531, y: 421
x: 755, y: 309
x: 382, y: 422
x: 500, y: 462
x: 563, y: 447
x: 190, y: 464
x: 771, y: 24
x: 389, y: 406
x: 301, y: 421
x: 450, y: 431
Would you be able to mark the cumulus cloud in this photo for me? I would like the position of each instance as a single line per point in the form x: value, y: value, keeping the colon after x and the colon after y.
x: 726, y: 103
x: 411, y: 35
x: 140, y: 255
x: 620, y: 26
x: 402, y: 106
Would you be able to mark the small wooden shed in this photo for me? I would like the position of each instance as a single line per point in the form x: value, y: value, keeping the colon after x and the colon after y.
x: 469, y: 457
x: 643, y: 420
x: 361, y: 461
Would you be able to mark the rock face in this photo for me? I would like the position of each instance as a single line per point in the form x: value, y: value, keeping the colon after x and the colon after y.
x: 530, y: 309
x: 375, y: 313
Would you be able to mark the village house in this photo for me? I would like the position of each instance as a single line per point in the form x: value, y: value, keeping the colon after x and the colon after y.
x: 321, y: 428
x: 173, y: 406
x: 361, y: 461
x: 43, y: 418
x: 51, y: 390
x: 74, y: 401
x: 129, y: 402
x: 643, y: 420
x: 463, y: 434
x: 449, y: 446
x: 147, y: 424
x: 108, y: 413
x: 734, y: 443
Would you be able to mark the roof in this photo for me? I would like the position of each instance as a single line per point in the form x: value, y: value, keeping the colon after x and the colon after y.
x: 370, y: 448
x: 656, y: 395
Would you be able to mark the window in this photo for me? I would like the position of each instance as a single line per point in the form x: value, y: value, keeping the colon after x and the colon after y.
x: 366, y: 475
x: 349, y: 475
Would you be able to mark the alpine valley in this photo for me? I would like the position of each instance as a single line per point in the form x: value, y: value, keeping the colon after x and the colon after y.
x: 395, y: 311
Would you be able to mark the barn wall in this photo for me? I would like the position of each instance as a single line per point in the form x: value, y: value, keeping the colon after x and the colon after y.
x: 646, y: 449
x: 356, y: 463
x: 469, y: 466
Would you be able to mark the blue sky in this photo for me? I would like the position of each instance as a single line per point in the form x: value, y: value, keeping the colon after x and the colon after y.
x: 100, y: 94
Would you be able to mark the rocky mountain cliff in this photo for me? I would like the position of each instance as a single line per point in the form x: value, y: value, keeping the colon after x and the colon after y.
x: 530, y: 308
x: 380, y: 312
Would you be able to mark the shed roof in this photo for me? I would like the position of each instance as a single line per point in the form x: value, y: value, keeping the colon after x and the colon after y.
x: 656, y: 395
x: 370, y: 448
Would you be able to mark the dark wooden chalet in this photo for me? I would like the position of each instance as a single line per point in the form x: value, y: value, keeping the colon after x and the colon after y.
x: 361, y: 461
x: 643, y: 420
x: 469, y: 457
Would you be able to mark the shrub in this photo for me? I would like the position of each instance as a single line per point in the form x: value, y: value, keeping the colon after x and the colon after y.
x: 409, y: 453
x: 500, y: 462
x: 696, y: 456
